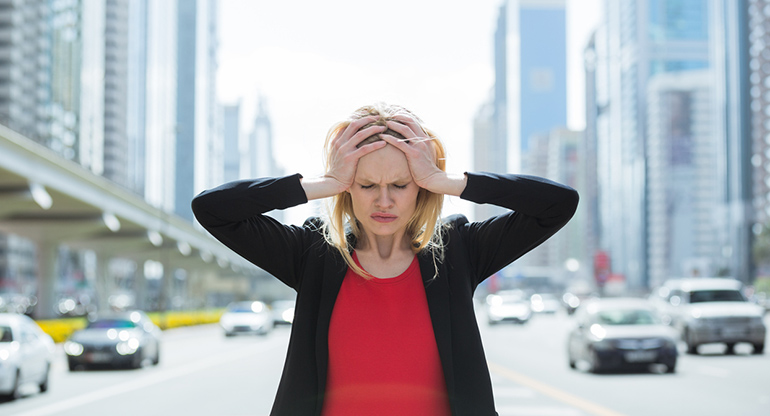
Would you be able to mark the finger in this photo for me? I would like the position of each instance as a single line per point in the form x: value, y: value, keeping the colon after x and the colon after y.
x: 344, y: 135
x: 405, y: 130
x: 411, y: 122
x: 364, y: 134
x: 368, y: 148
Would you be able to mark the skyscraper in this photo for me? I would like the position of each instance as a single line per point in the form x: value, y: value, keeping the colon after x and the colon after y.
x: 198, y: 140
x: 231, y: 125
x: 531, y: 56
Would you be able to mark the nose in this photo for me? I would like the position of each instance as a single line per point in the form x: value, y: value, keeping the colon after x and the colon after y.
x: 384, y: 199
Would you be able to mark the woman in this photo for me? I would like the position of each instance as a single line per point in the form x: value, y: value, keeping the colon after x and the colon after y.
x: 384, y: 320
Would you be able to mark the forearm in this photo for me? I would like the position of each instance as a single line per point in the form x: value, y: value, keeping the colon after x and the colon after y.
x: 321, y: 187
x: 452, y: 184
x: 240, y: 200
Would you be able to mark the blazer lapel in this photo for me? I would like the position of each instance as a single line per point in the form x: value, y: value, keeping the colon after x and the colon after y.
x: 438, y: 294
x: 333, y: 275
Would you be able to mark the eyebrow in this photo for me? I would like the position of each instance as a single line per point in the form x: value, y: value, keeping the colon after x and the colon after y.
x: 398, y: 180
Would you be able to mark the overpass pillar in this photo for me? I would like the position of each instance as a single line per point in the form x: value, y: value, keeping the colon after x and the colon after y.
x: 47, y: 256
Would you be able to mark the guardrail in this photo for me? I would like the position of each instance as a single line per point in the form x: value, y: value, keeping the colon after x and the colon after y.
x: 61, y: 329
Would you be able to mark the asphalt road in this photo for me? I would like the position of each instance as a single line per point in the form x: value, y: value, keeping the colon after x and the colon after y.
x: 203, y: 373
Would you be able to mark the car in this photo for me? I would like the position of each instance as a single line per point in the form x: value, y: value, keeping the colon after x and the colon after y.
x: 26, y: 353
x: 709, y: 310
x: 283, y: 312
x: 544, y: 303
x: 508, y: 306
x: 621, y: 333
x: 117, y: 339
x: 247, y: 317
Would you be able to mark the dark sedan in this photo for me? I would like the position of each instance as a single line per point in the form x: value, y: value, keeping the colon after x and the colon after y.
x: 126, y: 339
x: 613, y: 334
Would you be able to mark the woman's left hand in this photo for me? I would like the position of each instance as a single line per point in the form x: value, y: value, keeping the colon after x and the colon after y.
x: 416, y: 145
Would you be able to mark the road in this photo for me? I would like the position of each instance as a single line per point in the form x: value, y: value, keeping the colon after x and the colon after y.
x: 203, y: 373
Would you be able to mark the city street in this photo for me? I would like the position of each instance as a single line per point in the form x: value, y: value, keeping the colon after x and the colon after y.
x: 203, y: 373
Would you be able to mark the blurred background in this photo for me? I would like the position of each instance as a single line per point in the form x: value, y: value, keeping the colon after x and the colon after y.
x: 114, y: 114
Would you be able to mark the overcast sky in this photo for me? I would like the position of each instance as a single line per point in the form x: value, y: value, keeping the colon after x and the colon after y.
x: 316, y: 61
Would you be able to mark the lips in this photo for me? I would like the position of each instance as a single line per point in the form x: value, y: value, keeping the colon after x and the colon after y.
x: 383, y: 217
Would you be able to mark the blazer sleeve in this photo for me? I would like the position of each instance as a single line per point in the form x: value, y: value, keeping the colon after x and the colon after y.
x: 538, y: 209
x: 234, y: 214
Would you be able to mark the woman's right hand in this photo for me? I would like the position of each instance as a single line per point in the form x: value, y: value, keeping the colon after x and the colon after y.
x: 345, y: 153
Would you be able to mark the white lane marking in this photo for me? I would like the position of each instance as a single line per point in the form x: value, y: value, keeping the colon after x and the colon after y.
x: 149, y: 379
x: 538, y: 411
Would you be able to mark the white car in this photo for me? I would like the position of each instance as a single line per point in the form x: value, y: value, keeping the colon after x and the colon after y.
x: 26, y: 353
x: 508, y: 306
x: 247, y: 317
x: 711, y: 310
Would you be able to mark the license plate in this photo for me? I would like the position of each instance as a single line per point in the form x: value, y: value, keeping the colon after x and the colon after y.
x: 641, y: 356
x: 99, y: 357
x: 733, y: 333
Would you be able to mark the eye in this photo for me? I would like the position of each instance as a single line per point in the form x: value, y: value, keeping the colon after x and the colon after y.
x: 367, y: 186
x: 400, y: 186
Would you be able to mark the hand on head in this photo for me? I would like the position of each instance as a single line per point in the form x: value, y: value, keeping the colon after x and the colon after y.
x: 416, y: 145
x: 345, y: 152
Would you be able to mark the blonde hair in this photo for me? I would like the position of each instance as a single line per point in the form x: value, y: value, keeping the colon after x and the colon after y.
x: 423, y: 228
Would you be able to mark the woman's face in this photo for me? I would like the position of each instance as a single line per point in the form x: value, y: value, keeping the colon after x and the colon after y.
x: 383, y: 192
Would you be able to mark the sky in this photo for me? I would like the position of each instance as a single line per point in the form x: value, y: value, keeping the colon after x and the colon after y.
x: 315, y: 62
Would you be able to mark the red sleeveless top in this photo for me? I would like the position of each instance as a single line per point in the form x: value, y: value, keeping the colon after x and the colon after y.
x: 383, y: 358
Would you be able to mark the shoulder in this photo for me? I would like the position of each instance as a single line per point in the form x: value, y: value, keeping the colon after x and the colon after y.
x: 455, y: 220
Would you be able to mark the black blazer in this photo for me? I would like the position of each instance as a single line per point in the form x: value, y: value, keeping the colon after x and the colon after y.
x: 301, y: 258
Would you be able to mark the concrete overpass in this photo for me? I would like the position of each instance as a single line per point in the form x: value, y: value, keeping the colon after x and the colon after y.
x: 54, y: 201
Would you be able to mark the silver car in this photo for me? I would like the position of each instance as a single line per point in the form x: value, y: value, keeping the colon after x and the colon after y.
x: 26, y: 353
x: 711, y: 310
x: 508, y: 306
x: 621, y: 333
x: 247, y: 317
x: 126, y: 339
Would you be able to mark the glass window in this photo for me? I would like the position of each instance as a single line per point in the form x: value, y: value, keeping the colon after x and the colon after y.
x: 716, y: 296
x: 5, y: 334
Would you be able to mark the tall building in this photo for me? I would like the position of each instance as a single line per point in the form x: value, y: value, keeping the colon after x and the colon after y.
x: 529, y: 96
x: 556, y: 155
x: 730, y: 28
x: 25, y: 90
x: 531, y: 55
x: 682, y: 199
x: 116, y: 166
x: 152, y: 100
x: 638, y: 40
x: 198, y: 142
x: 487, y: 156
x: 231, y: 124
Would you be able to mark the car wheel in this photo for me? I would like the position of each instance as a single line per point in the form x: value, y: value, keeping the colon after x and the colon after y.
x: 759, y: 349
x: 692, y: 347
x: 730, y: 349
x: 595, y: 363
x: 44, y: 383
x: 156, y: 360
x: 671, y: 367
x: 14, y: 393
x: 571, y: 363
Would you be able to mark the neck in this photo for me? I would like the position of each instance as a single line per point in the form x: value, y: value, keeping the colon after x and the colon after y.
x: 384, y: 246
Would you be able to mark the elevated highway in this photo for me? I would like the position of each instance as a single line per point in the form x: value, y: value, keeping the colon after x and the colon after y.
x: 53, y: 201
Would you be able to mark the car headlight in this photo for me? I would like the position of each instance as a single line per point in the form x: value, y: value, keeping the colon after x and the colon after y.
x: 73, y: 348
x: 127, y: 348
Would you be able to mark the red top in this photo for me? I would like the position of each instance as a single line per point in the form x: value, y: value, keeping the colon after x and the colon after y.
x: 383, y: 358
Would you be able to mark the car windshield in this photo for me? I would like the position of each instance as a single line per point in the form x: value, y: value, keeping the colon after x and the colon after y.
x: 5, y: 334
x: 726, y: 295
x: 111, y: 323
x: 246, y: 307
x: 626, y: 317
